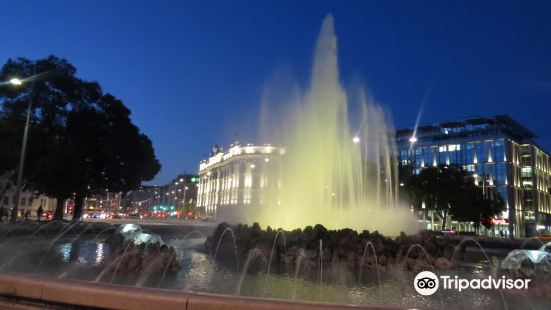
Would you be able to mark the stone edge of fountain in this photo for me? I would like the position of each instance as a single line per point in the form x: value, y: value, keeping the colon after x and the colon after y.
x: 37, y: 291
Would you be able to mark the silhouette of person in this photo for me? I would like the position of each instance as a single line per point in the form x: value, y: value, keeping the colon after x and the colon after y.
x: 1, y: 213
x: 39, y: 212
x: 27, y: 213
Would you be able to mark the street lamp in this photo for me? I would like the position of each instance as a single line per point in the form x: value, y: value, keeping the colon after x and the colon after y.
x: 185, y: 190
x: 14, y: 211
x: 16, y: 81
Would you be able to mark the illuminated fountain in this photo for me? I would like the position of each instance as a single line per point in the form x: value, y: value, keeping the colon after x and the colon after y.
x: 330, y: 174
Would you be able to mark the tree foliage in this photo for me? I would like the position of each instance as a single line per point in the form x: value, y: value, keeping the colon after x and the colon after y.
x: 450, y: 190
x: 81, y: 140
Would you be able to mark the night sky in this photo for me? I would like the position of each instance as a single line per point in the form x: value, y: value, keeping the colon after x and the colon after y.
x: 192, y: 72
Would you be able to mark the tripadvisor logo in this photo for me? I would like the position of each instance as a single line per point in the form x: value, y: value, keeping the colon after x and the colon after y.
x: 427, y: 283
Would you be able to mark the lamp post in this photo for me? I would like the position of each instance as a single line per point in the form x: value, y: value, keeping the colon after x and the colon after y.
x: 14, y: 211
x: 184, y: 204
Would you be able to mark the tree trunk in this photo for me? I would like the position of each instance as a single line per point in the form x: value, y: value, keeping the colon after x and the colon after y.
x: 444, y: 218
x: 79, y: 205
x: 58, y: 214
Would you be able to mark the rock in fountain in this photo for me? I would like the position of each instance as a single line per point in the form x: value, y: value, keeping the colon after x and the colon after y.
x: 532, y: 264
x: 133, y: 251
x: 343, y: 247
x: 529, y: 262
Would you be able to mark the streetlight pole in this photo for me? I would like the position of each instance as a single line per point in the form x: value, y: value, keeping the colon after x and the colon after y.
x: 15, y: 209
x: 184, y: 204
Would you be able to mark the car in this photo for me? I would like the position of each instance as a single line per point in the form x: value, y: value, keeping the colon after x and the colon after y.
x: 450, y: 232
x: 49, y: 215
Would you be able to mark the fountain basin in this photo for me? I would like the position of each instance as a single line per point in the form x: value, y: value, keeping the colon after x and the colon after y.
x: 39, y: 291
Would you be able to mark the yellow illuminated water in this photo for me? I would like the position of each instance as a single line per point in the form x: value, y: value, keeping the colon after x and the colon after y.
x: 331, y: 174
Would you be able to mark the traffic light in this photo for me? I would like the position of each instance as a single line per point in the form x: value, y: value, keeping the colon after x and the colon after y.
x: 193, y: 179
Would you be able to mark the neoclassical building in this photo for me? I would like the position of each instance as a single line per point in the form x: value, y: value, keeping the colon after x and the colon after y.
x: 235, y: 178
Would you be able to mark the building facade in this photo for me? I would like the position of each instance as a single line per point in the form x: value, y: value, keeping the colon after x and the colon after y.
x: 236, y: 177
x: 502, y: 156
x: 30, y: 201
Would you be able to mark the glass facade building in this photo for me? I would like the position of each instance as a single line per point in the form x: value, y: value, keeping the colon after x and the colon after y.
x: 502, y: 156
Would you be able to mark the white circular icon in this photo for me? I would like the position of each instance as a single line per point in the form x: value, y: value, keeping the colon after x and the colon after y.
x: 426, y: 283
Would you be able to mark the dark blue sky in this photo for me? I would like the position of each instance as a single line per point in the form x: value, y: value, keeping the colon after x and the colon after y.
x: 192, y: 72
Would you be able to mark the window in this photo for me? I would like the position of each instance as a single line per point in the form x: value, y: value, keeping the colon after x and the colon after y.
x: 481, y: 153
x: 469, y: 153
x: 499, y: 151
x: 442, y: 157
x: 501, y: 174
x: 23, y: 201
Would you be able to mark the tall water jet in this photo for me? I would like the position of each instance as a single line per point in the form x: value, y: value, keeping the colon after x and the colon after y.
x: 326, y: 176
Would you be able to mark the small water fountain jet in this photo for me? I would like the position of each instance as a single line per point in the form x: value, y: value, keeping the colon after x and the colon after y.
x: 88, y: 226
x: 300, y: 257
x: 488, y: 262
x: 458, y: 247
x: 427, y: 256
x: 321, y: 262
x: 99, y: 234
x: 12, y: 226
x: 194, y: 232
x: 110, y: 264
x: 530, y: 239
x: 279, y: 231
x: 120, y: 261
x: 7, y: 264
x: 166, y: 269
x: 370, y: 244
x: 234, y: 245
x: 253, y: 253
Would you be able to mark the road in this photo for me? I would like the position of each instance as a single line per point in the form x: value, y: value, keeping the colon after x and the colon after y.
x: 148, y: 222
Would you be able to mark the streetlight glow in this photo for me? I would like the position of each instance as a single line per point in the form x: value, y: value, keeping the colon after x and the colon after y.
x: 356, y: 139
x: 413, y: 139
x: 16, y: 81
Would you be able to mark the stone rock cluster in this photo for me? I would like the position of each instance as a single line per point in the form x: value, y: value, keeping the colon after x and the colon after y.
x: 133, y: 251
x: 344, y: 246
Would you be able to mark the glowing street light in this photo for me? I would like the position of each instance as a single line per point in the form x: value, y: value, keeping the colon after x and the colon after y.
x: 16, y: 81
x: 413, y: 139
x: 14, y: 211
x: 356, y: 139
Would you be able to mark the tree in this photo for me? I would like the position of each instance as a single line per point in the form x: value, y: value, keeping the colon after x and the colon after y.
x: 449, y: 190
x: 477, y: 207
x: 81, y: 141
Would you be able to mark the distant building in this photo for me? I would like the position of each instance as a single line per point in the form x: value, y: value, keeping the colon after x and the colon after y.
x: 233, y: 178
x: 182, y: 192
x: 29, y: 199
x: 502, y: 156
x: 144, y: 198
x: 179, y: 195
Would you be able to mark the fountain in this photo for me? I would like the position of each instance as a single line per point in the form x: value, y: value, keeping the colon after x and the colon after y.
x: 325, y: 177
x: 529, y: 262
